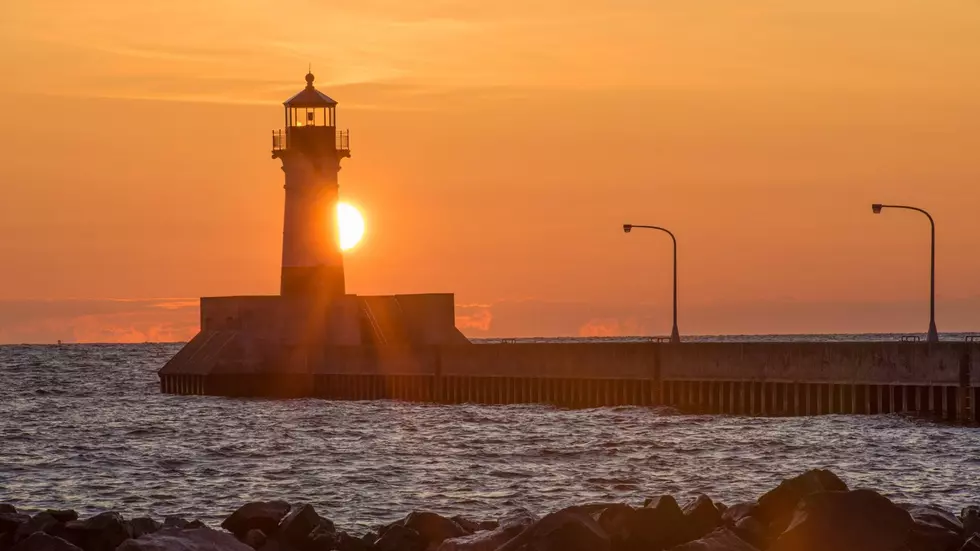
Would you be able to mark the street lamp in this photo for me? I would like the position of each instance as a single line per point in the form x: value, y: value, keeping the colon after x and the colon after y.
x: 933, y: 335
x: 675, y: 336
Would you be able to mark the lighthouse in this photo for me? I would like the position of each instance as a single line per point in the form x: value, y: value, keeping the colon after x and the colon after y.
x: 294, y: 343
x: 311, y: 148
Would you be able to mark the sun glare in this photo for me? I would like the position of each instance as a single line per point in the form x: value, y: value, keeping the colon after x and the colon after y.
x: 351, y: 225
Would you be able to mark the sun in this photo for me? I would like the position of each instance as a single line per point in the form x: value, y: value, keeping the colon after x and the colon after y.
x: 351, y: 225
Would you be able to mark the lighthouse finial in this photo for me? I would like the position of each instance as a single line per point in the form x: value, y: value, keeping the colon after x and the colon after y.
x: 309, y: 77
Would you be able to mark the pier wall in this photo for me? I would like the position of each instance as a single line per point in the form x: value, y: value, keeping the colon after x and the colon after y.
x: 732, y: 378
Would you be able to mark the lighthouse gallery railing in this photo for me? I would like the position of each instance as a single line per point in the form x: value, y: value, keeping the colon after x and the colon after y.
x: 280, y: 139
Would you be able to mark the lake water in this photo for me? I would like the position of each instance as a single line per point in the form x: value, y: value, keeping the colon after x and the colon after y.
x: 84, y: 426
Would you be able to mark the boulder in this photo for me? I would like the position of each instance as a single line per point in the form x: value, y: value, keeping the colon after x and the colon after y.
x: 473, y: 526
x: 658, y: 525
x: 271, y: 544
x: 41, y: 522
x: 172, y: 521
x: 571, y: 529
x: 752, y: 531
x: 618, y: 522
x: 254, y: 538
x: 346, y: 542
x: 935, y: 529
x: 10, y: 522
x: 663, y: 501
x: 298, y: 525
x: 196, y: 523
x: 7, y: 508
x: 972, y: 544
x: 508, y: 527
x: 399, y: 538
x: 970, y: 517
x: 737, y: 512
x: 63, y: 515
x: 39, y: 541
x: 433, y: 528
x: 701, y: 516
x: 178, y: 539
x: 262, y: 515
x: 103, y: 532
x: 143, y: 525
x: 777, y: 505
x: 859, y: 520
x: 322, y: 538
x: 721, y: 539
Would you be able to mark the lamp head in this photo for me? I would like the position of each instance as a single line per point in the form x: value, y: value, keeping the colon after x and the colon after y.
x: 627, y: 228
x: 876, y: 208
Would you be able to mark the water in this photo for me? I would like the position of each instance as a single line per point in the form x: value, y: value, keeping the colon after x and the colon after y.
x: 85, y: 426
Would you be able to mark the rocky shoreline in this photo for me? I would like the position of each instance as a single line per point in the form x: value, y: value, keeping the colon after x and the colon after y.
x: 815, y: 511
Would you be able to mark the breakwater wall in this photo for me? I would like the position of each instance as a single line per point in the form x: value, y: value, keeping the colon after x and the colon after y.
x: 731, y: 378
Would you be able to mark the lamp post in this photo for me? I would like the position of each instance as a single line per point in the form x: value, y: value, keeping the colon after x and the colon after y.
x: 933, y: 335
x: 675, y: 336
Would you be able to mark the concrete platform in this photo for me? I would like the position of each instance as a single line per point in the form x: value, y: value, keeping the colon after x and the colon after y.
x: 731, y: 378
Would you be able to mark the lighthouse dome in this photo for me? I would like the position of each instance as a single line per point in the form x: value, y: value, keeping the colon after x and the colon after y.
x: 310, y: 96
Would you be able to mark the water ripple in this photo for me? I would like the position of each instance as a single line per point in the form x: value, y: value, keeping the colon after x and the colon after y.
x: 85, y: 426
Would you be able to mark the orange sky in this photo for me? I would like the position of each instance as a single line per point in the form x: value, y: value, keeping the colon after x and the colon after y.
x: 497, y: 149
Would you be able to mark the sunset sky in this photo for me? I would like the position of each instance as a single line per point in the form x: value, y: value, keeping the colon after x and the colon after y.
x: 497, y: 149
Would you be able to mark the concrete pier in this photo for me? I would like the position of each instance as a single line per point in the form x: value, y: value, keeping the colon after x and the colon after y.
x: 316, y: 340
x: 767, y: 379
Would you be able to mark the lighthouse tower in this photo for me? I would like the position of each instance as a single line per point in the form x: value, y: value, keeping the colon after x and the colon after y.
x: 311, y: 148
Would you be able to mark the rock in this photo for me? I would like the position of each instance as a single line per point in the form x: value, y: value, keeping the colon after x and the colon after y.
x: 41, y: 522
x: 473, y: 526
x: 10, y: 522
x: 777, y: 505
x: 970, y: 517
x: 7, y: 508
x: 618, y: 521
x: 298, y: 525
x: 63, y: 515
x: 346, y: 542
x: 571, y: 529
x: 859, y: 520
x: 39, y: 541
x: 753, y: 531
x: 143, y: 525
x: 737, y: 512
x: 659, y: 524
x: 399, y: 538
x: 658, y: 502
x: 721, y: 539
x: 322, y: 538
x: 433, y: 528
x: 103, y: 532
x: 195, y: 524
x: 972, y: 544
x: 935, y: 529
x: 254, y: 538
x: 263, y: 515
x: 701, y: 516
x: 174, y: 522
x: 178, y: 539
x: 508, y: 527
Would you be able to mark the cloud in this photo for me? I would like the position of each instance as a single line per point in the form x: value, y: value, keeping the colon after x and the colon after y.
x: 98, y: 320
x: 177, y: 319
x: 475, y: 317
x: 530, y: 318
x: 611, y: 327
